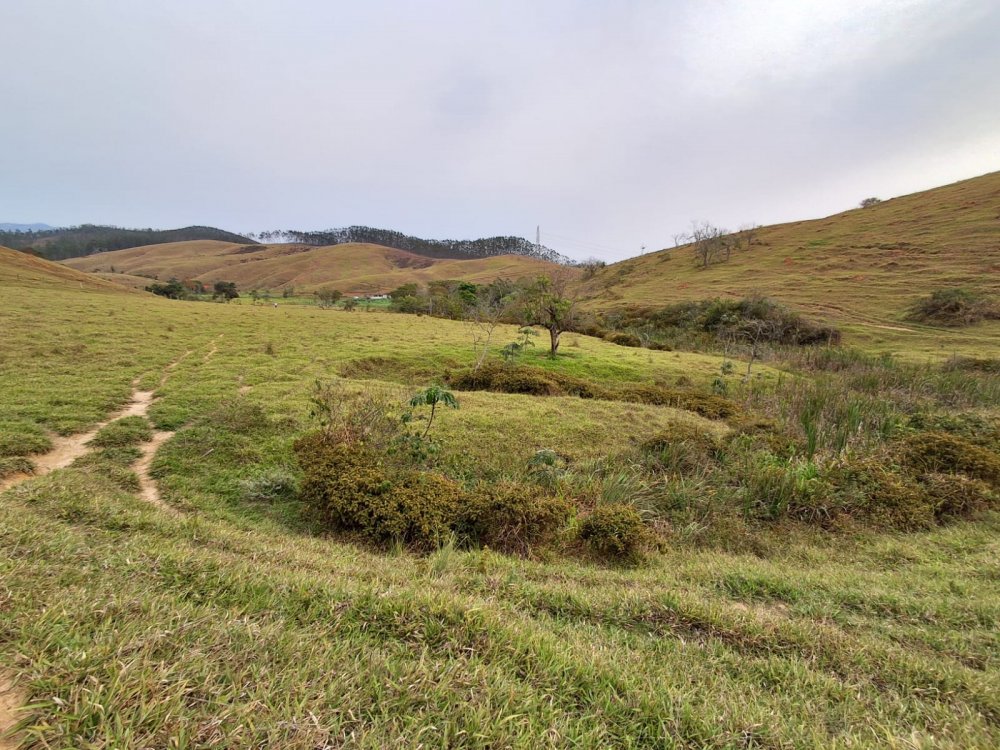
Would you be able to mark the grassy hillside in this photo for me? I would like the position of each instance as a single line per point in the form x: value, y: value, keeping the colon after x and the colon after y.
x: 863, y: 267
x: 220, y: 615
x: 352, y: 268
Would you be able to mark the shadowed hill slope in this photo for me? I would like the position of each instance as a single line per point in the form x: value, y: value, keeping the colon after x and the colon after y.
x: 861, y: 265
x: 352, y: 268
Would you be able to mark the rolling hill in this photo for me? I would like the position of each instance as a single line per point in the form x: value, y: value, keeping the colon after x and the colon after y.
x: 353, y: 268
x: 865, y: 265
x: 30, y: 272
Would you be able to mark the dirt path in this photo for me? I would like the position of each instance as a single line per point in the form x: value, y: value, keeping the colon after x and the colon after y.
x: 10, y: 701
x: 148, y: 490
x: 66, y: 449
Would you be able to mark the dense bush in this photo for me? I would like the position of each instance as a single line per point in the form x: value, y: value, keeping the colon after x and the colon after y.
x: 954, y: 307
x: 512, y: 517
x: 495, y: 376
x: 944, y: 452
x: 615, y: 532
x: 352, y: 488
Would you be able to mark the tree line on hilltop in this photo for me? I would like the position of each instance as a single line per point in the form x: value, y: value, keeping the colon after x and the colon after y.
x: 485, y: 247
x: 87, y: 239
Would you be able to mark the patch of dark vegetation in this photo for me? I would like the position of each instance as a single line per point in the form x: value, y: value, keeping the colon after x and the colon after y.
x: 513, y: 517
x: 945, y: 452
x: 351, y: 487
x: 955, y: 308
x: 989, y: 365
x: 616, y: 533
x: 681, y: 449
x: 537, y: 381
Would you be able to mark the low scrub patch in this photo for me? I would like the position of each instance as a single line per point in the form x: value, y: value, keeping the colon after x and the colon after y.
x: 350, y: 488
x: 955, y: 496
x: 955, y: 308
x: 513, y: 518
x: 537, y: 381
x: 944, y: 452
x: 615, y: 533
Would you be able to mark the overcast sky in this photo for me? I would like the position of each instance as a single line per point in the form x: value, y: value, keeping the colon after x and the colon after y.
x: 612, y: 124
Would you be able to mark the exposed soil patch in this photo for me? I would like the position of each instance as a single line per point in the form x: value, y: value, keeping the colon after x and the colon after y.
x: 11, y: 700
x: 148, y: 490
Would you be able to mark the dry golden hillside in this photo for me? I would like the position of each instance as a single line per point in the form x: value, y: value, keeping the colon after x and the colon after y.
x: 861, y: 265
x: 352, y: 268
x: 25, y: 270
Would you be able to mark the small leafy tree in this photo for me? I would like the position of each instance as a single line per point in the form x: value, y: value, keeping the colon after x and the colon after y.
x: 548, y: 303
x: 431, y: 397
x: 869, y: 202
x: 350, y: 303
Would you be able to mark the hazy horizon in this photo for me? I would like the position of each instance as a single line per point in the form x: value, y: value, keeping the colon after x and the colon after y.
x: 610, y: 127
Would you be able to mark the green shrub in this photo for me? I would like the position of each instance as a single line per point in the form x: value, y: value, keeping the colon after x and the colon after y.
x: 955, y: 496
x: 772, y: 488
x: 682, y: 448
x: 623, y: 339
x: 12, y: 465
x: 123, y: 432
x: 955, y: 307
x: 943, y: 452
x: 615, y: 532
x: 513, y: 518
x: 351, y: 488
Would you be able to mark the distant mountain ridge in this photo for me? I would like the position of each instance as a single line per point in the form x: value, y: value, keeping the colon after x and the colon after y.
x: 86, y: 239
x: 10, y: 227
x: 486, y: 247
